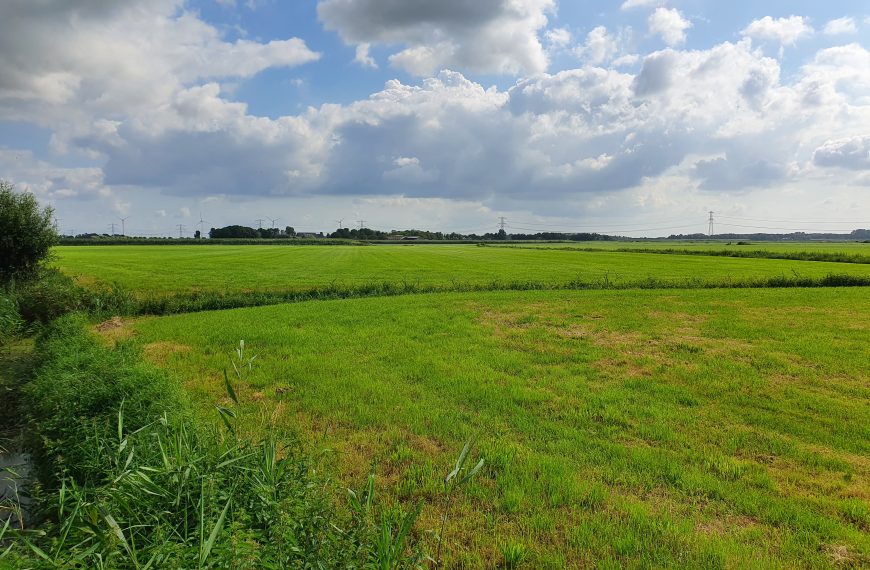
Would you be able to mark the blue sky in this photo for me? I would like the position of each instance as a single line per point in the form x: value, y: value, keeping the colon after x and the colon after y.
x: 636, y: 117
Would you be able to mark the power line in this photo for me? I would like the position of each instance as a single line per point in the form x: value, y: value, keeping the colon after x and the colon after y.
x: 711, y: 222
x: 612, y: 231
x: 361, y: 223
x: 803, y: 229
x: 782, y: 220
x: 572, y: 225
x: 180, y: 230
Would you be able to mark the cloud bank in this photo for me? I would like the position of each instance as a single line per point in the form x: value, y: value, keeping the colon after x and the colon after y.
x: 139, y: 90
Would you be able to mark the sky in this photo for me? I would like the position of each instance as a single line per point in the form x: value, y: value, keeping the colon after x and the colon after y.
x: 637, y: 118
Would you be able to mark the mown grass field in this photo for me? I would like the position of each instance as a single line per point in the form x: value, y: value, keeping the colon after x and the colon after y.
x: 853, y: 247
x: 156, y: 270
x: 693, y: 428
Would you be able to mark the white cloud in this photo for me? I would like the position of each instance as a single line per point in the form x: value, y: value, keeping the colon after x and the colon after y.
x: 718, y: 120
x: 558, y: 38
x: 785, y: 31
x: 630, y: 4
x: 490, y: 36
x: 626, y: 60
x: 600, y: 47
x: 363, y: 57
x: 669, y: 24
x: 841, y: 26
x: 117, y: 57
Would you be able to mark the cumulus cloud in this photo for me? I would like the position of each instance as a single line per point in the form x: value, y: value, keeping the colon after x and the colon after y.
x: 720, y: 119
x: 117, y: 56
x: 630, y: 4
x: 852, y: 153
x: 49, y: 182
x: 600, y: 47
x: 363, y: 57
x: 558, y: 38
x: 491, y: 36
x: 841, y: 26
x: 785, y: 31
x: 669, y: 24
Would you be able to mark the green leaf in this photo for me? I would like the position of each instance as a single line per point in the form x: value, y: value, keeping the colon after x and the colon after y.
x: 224, y: 414
x: 230, y: 390
x: 213, y: 536
x: 116, y: 529
x: 471, y: 473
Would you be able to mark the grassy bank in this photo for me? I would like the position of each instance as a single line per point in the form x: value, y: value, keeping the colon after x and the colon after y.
x: 714, y: 428
x: 128, y: 477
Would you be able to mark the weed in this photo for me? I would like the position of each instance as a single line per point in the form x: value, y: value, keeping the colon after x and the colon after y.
x: 458, y: 477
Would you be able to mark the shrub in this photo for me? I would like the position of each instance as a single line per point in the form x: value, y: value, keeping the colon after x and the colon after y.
x: 48, y: 296
x: 26, y: 233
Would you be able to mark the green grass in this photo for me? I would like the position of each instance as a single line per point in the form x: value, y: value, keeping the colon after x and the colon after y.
x: 156, y: 270
x: 847, y: 247
x: 699, y: 428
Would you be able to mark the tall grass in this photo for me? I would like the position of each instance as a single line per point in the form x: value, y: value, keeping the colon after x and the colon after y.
x: 129, y: 479
x: 11, y: 322
x: 112, y: 301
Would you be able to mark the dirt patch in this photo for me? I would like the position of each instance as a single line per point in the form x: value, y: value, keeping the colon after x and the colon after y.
x: 160, y: 352
x: 726, y: 525
x: 114, y: 330
x: 113, y: 323
x: 622, y: 367
x: 840, y: 555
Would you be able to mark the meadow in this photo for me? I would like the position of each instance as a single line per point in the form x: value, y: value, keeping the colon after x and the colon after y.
x: 160, y: 270
x: 699, y: 428
x: 847, y: 247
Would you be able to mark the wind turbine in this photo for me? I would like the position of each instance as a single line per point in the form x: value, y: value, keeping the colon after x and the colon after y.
x: 201, y: 223
x: 273, y: 220
x: 123, y: 227
x: 339, y: 222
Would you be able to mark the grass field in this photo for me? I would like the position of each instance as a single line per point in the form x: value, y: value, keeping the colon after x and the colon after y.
x: 852, y: 247
x: 156, y: 270
x: 694, y: 428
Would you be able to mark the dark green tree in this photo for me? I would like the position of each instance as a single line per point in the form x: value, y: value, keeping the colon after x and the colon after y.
x: 26, y: 233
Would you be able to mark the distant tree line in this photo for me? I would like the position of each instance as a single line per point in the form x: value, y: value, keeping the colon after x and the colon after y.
x: 860, y: 234
x: 251, y: 233
x: 368, y: 234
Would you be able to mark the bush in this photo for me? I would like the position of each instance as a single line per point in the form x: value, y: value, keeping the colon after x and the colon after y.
x: 47, y: 296
x: 26, y: 233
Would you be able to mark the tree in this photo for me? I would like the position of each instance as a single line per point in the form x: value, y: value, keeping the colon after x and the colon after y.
x: 26, y: 233
x: 290, y: 231
x: 233, y: 232
x: 197, y: 234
